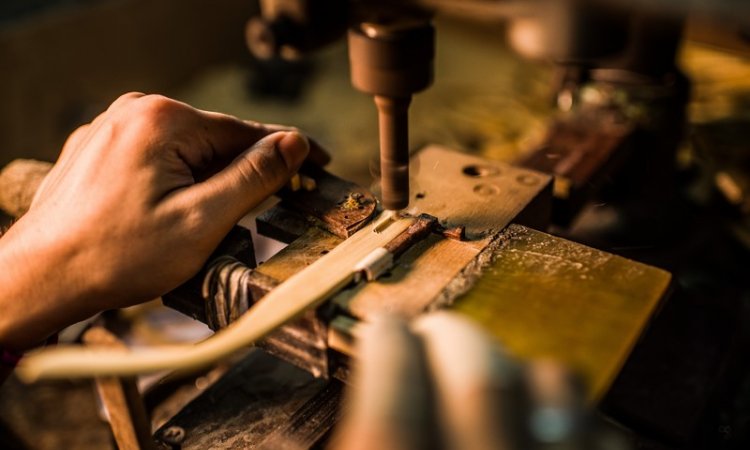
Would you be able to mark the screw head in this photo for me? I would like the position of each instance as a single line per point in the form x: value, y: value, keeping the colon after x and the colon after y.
x: 173, y: 435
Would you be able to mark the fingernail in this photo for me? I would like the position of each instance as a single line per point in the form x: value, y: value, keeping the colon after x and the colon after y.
x: 294, y: 148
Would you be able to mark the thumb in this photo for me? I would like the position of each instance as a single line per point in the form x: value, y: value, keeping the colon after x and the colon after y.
x: 251, y: 178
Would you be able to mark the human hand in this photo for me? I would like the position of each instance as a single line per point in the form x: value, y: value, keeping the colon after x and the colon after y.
x: 443, y: 383
x: 134, y: 206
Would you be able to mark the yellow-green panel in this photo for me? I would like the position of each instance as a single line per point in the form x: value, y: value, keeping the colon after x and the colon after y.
x: 545, y: 296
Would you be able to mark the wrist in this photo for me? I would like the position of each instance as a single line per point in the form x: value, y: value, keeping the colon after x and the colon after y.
x: 38, y: 295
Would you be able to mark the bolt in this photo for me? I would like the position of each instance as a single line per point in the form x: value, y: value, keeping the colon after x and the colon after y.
x: 173, y: 436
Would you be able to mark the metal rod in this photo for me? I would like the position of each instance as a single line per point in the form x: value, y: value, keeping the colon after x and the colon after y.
x: 393, y: 117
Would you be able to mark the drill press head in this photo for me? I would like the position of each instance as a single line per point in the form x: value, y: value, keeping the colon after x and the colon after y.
x: 392, y: 60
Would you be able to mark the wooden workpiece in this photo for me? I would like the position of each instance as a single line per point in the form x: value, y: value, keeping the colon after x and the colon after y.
x: 481, y: 195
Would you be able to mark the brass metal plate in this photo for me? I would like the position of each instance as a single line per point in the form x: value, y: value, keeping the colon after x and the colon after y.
x: 548, y: 297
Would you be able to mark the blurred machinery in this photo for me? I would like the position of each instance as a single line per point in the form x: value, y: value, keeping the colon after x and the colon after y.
x: 606, y: 54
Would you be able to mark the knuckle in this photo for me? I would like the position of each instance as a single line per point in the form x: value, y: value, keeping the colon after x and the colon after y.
x: 155, y: 113
x: 126, y: 98
x: 76, y: 135
x: 159, y: 107
x: 131, y: 95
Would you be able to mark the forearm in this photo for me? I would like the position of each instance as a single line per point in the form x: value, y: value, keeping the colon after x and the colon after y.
x: 37, y: 298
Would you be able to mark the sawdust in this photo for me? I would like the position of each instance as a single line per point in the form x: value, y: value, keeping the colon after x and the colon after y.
x: 352, y: 202
x: 465, y: 280
x: 550, y: 257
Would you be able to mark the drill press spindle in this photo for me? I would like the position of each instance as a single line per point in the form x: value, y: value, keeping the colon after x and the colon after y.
x: 392, y: 60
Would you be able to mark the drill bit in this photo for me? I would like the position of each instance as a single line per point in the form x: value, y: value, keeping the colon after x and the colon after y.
x: 393, y: 120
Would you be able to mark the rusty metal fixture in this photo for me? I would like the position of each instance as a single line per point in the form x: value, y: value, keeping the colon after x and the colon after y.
x: 455, y: 233
x: 419, y: 230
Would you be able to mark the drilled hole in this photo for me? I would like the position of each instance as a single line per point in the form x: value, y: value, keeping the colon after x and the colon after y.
x: 528, y: 180
x: 478, y: 171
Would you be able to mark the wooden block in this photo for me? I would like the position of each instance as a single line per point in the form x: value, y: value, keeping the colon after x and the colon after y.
x: 335, y: 205
x: 577, y: 152
x: 482, y: 195
x: 281, y: 224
